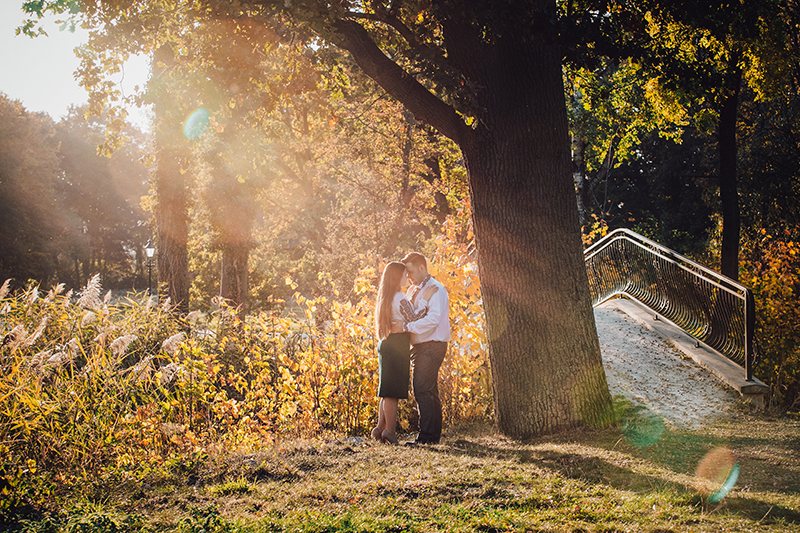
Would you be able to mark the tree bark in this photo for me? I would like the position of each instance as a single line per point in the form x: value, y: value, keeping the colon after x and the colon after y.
x: 172, y: 211
x: 547, y: 371
x: 233, y: 280
x: 578, y: 176
x: 406, y: 193
x: 728, y: 190
x: 172, y: 227
x: 231, y: 207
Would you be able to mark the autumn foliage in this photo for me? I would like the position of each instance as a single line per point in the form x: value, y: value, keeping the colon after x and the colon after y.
x: 94, y: 391
x: 772, y: 270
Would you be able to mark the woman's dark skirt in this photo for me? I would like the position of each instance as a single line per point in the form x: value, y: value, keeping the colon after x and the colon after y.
x: 393, y: 365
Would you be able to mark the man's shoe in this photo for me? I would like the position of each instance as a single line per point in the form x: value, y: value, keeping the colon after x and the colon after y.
x: 418, y: 442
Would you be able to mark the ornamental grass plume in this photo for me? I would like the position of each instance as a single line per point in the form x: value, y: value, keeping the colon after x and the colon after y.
x: 172, y: 344
x: 67, y: 299
x: 88, y: 318
x: 141, y: 370
x: 55, y: 291
x: 65, y: 355
x: 4, y: 289
x: 74, y: 347
x: 168, y: 373
x: 90, y: 296
x: 33, y: 296
x: 37, y: 361
x: 58, y: 359
x: 33, y: 337
x: 120, y: 344
x: 15, y: 337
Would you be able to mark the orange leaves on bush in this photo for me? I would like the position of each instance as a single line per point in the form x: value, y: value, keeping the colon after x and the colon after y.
x: 771, y: 268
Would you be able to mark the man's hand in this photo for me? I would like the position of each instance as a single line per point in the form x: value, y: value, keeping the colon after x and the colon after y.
x: 430, y: 291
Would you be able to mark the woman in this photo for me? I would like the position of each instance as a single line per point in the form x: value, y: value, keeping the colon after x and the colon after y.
x: 393, y: 312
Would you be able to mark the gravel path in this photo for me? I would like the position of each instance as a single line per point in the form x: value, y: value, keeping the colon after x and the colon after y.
x: 645, y: 368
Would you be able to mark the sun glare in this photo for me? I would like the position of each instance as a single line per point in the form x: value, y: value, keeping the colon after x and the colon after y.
x: 196, y: 123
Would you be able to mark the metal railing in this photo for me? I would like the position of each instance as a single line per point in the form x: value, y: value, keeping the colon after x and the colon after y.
x: 712, y: 308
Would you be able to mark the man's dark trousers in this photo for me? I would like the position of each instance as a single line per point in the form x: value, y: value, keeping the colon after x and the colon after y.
x: 426, y: 359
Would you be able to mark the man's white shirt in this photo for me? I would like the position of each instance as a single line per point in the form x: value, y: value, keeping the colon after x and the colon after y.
x: 435, y: 325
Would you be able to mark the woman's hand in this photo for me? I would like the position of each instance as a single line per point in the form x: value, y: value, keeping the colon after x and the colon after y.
x: 430, y: 291
x: 397, y: 328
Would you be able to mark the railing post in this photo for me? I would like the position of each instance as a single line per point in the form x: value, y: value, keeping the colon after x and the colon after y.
x: 749, y: 333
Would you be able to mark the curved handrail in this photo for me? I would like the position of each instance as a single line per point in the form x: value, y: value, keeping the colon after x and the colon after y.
x: 712, y: 308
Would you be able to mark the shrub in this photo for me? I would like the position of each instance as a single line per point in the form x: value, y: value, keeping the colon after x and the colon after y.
x: 95, y: 392
x: 771, y: 268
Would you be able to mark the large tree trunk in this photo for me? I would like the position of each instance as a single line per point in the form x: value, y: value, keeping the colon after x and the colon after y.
x: 546, y: 367
x: 728, y: 190
x: 172, y: 227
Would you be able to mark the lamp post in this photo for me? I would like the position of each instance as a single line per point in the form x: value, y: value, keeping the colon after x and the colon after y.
x: 149, y: 251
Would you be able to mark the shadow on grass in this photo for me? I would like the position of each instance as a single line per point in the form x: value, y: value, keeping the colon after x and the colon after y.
x: 666, y: 459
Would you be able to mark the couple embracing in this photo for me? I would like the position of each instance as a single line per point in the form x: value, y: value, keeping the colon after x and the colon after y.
x: 413, y: 330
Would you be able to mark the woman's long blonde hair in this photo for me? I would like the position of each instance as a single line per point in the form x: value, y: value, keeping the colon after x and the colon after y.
x: 390, y: 285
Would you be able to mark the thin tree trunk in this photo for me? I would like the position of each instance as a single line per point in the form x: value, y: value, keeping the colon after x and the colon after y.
x: 578, y: 176
x: 728, y: 190
x: 233, y: 281
x: 405, y: 194
x: 231, y: 212
x: 172, y: 211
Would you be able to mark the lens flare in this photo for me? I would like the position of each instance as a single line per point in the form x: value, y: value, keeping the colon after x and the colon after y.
x: 717, y: 473
x: 196, y: 123
x: 643, y: 429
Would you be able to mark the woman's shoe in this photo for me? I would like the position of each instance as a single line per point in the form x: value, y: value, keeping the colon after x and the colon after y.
x: 388, y: 438
x: 377, y: 434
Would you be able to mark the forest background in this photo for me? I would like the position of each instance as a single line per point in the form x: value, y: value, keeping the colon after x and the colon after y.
x: 307, y: 177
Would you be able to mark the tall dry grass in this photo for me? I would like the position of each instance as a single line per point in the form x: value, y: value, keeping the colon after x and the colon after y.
x: 95, y: 392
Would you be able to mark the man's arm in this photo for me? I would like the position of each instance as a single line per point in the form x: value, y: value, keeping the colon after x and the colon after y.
x: 437, y: 308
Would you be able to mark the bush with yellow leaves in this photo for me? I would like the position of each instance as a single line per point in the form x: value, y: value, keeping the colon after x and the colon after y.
x: 95, y: 392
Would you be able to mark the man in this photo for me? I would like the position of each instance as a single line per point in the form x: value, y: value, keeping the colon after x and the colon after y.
x: 429, y: 338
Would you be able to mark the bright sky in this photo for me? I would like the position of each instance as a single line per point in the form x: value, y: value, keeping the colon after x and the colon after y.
x: 40, y: 72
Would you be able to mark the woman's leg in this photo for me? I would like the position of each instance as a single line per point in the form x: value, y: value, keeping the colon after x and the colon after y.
x: 390, y: 417
x: 376, y: 432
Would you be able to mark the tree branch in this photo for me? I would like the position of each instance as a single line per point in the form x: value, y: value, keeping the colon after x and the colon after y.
x: 426, y: 107
x: 422, y: 50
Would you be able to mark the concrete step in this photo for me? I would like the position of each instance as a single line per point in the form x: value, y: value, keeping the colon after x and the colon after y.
x: 721, y: 367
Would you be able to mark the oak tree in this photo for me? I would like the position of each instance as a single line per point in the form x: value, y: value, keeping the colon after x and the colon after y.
x: 488, y: 76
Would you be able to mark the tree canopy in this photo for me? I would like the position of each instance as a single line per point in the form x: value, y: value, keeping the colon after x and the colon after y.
x: 487, y: 76
x: 69, y: 212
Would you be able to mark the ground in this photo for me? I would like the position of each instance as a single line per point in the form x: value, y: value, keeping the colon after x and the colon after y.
x: 666, y: 466
x: 649, y: 371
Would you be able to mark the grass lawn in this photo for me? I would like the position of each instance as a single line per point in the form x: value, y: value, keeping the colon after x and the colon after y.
x: 639, y: 476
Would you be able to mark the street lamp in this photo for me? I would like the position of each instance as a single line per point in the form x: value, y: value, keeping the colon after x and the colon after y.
x: 149, y: 251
